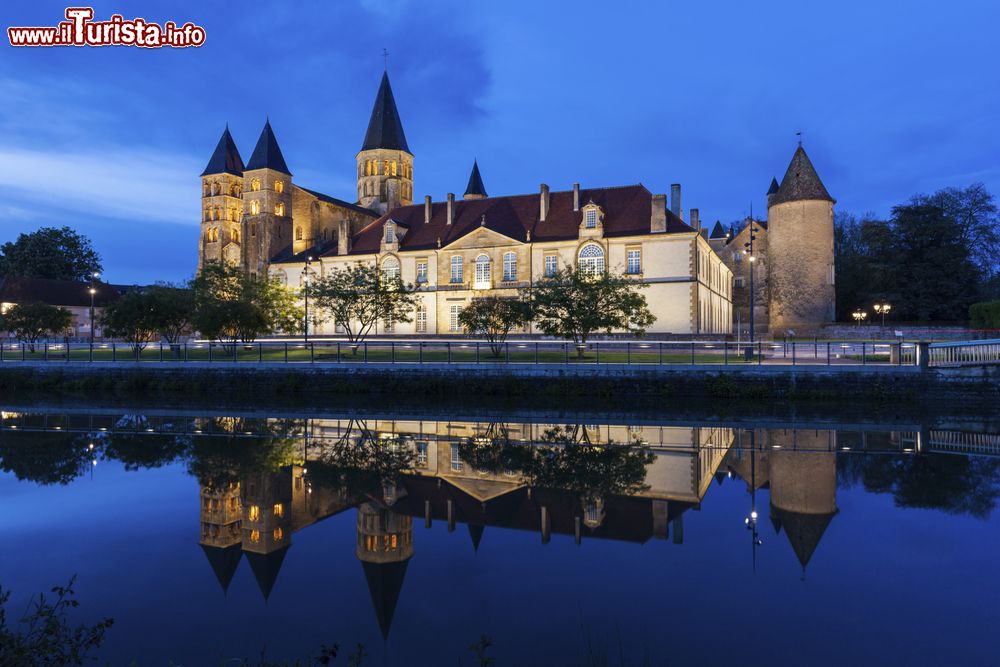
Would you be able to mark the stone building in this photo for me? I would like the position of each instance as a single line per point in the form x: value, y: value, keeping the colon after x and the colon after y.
x: 70, y: 295
x: 454, y: 251
x: 792, y: 262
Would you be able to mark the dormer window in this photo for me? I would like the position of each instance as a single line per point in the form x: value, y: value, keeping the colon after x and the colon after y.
x: 390, y: 235
x: 591, y: 218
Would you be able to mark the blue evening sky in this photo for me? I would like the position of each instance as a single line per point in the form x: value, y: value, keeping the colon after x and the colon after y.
x: 893, y: 98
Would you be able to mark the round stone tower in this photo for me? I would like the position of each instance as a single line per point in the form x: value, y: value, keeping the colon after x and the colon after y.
x: 800, y: 250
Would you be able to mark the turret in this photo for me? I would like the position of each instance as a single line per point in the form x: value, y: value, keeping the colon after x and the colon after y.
x: 267, y: 199
x: 475, y: 189
x: 384, y: 547
x: 221, y: 203
x: 800, y: 250
x: 385, y: 163
x: 221, y: 529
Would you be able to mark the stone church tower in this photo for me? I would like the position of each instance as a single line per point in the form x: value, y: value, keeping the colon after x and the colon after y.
x: 267, y: 200
x: 800, y: 250
x: 221, y: 203
x: 385, y: 163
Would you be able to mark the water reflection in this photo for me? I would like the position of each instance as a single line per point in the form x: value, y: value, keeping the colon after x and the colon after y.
x: 262, y: 480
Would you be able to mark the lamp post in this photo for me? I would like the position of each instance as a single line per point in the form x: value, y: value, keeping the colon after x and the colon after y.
x: 859, y: 316
x: 305, y: 292
x: 751, y: 258
x: 883, y: 310
x: 751, y: 521
x: 93, y: 291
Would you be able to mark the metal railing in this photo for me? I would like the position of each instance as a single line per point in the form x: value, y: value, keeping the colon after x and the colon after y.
x: 632, y: 353
x: 966, y: 353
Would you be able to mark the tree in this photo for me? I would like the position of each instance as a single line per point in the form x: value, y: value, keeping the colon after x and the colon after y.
x: 233, y: 306
x: 131, y: 318
x: 29, y: 322
x: 574, y: 304
x: 494, y: 317
x: 357, y: 297
x: 974, y: 211
x: 173, y: 306
x: 56, y: 253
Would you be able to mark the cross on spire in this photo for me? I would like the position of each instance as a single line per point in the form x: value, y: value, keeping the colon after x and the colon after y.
x: 799, y: 135
x: 385, y: 57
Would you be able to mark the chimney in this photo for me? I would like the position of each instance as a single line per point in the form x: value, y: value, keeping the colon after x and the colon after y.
x: 576, y: 196
x: 451, y: 207
x: 675, y: 200
x: 543, y: 210
x: 344, y: 238
x: 695, y: 220
x: 427, y: 209
x: 658, y: 218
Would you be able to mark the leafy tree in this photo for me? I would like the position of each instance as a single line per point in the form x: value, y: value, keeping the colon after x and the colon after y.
x: 985, y: 315
x: 29, y: 322
x: 141, y: 316
x: 50, y: 252
x: 494, y: 317
x: 233, y: 306
x: 357, y: 297
x: 574, y: 304
x: 45, y: 458
x: 974, y: 211
x: 173, y: 306
x: 46, y: 638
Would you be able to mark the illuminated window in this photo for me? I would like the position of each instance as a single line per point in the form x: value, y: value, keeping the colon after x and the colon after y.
x: 456, y: 269
x: 591, y: 218
x: 277, y: 534
x: 421, y: 318
x: 456, y: 326
x: 385, y: 168
x: 215, y: 188
x: 254, y: 207
x: 255, y: 536
x: 550, y: 266
x: 298, y: 233
x: 592, y: 259
x: 255, y: 185
x: 279, y: 510
x: 217, y: 213
x: 422, y: 454
x: 390, y: 269
x: 456, y: 460
x: 421, y: 272
x: 509, y: 266
x: 392, y: 543
x: 279, y: 186
x: 393, y: 167
x: 235, y: 235
x: 482, y: 272
x: 253, y: 513
x: 633, y: 263
x: 279, y: 208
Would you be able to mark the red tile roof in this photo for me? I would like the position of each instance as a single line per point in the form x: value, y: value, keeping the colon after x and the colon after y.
x: 627, y: 212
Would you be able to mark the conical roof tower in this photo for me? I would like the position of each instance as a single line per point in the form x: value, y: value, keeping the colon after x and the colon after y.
x: 267, y: 154
x: 475, y: 189
x: 385, y: 129
x: 225, y: 158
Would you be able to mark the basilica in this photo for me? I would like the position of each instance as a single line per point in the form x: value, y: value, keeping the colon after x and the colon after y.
x: 462, y: 248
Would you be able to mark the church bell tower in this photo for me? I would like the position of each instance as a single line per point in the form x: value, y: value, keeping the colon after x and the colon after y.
x: 385, y: 163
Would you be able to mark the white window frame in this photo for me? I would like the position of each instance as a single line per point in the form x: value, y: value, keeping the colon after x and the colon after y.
x: 590, y: 218
x: 457, y: 271
x: 591, y: 259
x: 510, y: 266
x: 636, y: 254
x: 551, y: 270
x: 421, y: 272
x: 457, y: 464
x: 390, y: 268
x: 454, y: 312
x: 484, y: 272
x: 421, y: 318
x: 422, y: 454
x: 390, y: 236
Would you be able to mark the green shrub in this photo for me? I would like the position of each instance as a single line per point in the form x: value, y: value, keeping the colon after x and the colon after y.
x: 985, y: 315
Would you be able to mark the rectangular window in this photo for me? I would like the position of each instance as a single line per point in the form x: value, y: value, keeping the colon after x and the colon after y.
x: 634, y: 260
x: 388, y: 234
x: 421, y: 272
x: 456, y: 326
x: 550, y: 265
x: 591, y: 219
x: 456, y: 460
x: 421, y: 454
x: 510, y: 266
x: 456, y: 269
x: 421, y: 319
x: 738, y: 281
x: 389, y: 326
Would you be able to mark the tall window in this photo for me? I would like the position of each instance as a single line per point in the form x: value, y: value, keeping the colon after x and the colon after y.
x: 254, y: 207
x: 456, y: 326
x: 393, y: 167
x: 253, y: 514
x: 279, y: 186
x: 456, y: 269
x: 421, y: 454
x: 633, y: 260
x: 456, y: 460
x: 255, y: 185
x: 591, y: 218
x: 390, y: 268
x: 550, y: 266
x: 482, y: 272
x: 510, y: 266
x: 279, y: 208
x: 592, y: 259
x: 235, y: 236
x: 390, y: 237
x: 421, y: 318
x: 298, y: 233
x: 385, y: 167
x: 421, y: 272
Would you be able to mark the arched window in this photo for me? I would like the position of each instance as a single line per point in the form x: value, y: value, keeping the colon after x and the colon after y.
x: 254, y: 207
x: 279, y: 186
x: 510, y: 266
x: 234, y: 190
x: 208, y: 214
x: 279, y: 208
x: 218, y: 213
x: 482, y: 272
x: 456, y: 269
x: 385, y: 167
x: 206, y: 189
x: 235, y: 236
x: 215, y: 188
x: 592, y: 259
x: 393, y: 167
x: 255, y: 185
x: 390, y: 268
x: 298, y: 233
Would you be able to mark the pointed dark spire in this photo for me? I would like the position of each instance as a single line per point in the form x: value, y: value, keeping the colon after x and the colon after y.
x: 267, y: 155
x: 226, y: 159
x: 385, y: 130
x: 265, y: 568
x: 476, y: 533
x: 385, y: 582
x: 801, y: 182
x: 224, y: 561
x: 475, y: 186
x: 804, y: 531
x: 717, y: 232
x: 773, y: 190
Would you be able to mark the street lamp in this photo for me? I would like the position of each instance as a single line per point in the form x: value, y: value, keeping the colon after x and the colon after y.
x: 883, y: 310
x: 859, y: 316
x: 749, y: 251
x: 305, y: 279
x: 93, y: 291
